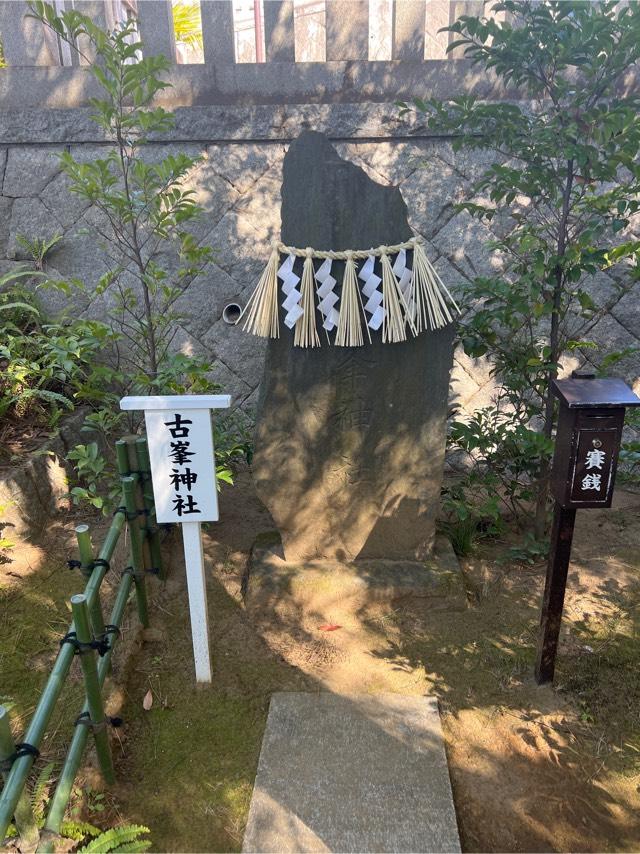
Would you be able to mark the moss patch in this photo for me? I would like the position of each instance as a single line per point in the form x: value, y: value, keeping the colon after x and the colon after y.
x: 34, y: 615
x: 190, y: 761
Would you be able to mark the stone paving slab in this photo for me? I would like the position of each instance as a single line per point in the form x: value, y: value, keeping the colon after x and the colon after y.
x: 360, y: 772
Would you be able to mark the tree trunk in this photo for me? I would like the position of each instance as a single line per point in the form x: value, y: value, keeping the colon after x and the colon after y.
x: 541, y: 518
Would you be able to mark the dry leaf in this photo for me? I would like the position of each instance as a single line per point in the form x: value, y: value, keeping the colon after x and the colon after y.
x: 330, y: 627
x: 148, y: 700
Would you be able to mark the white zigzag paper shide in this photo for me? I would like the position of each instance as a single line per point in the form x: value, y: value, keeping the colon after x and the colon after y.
x: 404, y: 301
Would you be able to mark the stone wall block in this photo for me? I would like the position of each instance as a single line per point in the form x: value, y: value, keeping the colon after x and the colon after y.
x: 29, y: 170
x: 627, y: 310
x: 611, y: 336
x: 202, y: 303
x: 30, y: 218
x: 65, y: 206
x: 5, y: 223
x: 243, y: 164
x: 238, y: 350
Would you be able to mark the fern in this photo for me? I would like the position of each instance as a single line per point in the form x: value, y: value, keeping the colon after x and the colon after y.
x: 19, y: 306
x: 118, y: 840
x: 20, y: 272
x: 38, y: 247
x: 40, y: 793
x: 42, y: 394
x: 78, y: 830
x: 135, y: 847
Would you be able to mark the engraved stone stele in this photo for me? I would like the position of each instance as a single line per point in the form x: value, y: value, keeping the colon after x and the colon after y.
x: 350, y: 442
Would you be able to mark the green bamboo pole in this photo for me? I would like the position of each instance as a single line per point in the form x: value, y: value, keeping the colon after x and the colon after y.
x: 60, y: 798
x: 142, y: 520
x: 85, y: 548
x: 137, y: 553
x: 153, y: 536
x: 42, y: 715
x: 122, y: 458
x: 24, y: 818
x: 92, y: 686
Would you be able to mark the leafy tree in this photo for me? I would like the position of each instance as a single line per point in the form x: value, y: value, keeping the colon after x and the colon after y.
x: 560, y: 194
x: 143, y: 213
x: 144, y: 206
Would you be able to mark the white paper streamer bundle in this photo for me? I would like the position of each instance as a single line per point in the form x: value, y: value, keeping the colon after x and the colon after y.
x: 403, y: 300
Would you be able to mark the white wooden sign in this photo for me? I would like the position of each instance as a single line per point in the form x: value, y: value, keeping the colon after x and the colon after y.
x: 183, y: 473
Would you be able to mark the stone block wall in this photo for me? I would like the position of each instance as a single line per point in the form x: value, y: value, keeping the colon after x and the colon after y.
x: 238, y: 184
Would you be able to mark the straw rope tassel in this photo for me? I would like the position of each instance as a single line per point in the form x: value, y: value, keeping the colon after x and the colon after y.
x: 262, y: 309
x: 428, y: 292
x: 352, y: 315
x: 393, y: 325
x: 305, y: 333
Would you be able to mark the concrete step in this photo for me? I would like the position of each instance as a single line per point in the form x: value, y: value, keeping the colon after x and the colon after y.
x: 359, y: 772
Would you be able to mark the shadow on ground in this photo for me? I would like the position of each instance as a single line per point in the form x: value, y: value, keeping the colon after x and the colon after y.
x: 534, y: 769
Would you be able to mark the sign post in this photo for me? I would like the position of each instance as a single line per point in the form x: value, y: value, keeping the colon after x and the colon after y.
x: 183, y: 473
x: 584, y: 469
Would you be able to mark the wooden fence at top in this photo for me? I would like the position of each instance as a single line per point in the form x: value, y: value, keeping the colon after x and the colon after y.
x: 41, y: 72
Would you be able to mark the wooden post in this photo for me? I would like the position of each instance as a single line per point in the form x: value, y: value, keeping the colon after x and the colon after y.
x: 588, y: 435
x: 555, y: 586
x: 197, y: 589
x: 182, y: 462
x: 95, y: 706
x: 24, y: 818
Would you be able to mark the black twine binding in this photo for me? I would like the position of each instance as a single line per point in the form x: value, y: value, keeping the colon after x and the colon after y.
x: 74, y: 564
x: 22, y: 749
x: 81, y: 647
x: 131, y: 516
x: 129, y: 570
x: 101, y: 562
x: 84, y: 719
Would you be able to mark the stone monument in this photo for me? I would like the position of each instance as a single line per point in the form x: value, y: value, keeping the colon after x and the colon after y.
x: 350, y: 441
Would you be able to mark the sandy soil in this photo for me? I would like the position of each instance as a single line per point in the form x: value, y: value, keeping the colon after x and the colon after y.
x: 533, y: 769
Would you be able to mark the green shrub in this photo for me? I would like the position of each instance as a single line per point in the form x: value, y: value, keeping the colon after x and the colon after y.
x: 46, y: 366
x: 563, y: 188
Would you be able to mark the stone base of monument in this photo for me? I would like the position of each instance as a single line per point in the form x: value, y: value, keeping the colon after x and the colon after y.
x: 272, y: 583
x: 352, y: 773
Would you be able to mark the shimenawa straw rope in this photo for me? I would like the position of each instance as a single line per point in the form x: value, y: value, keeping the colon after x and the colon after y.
x: 425, y: 304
